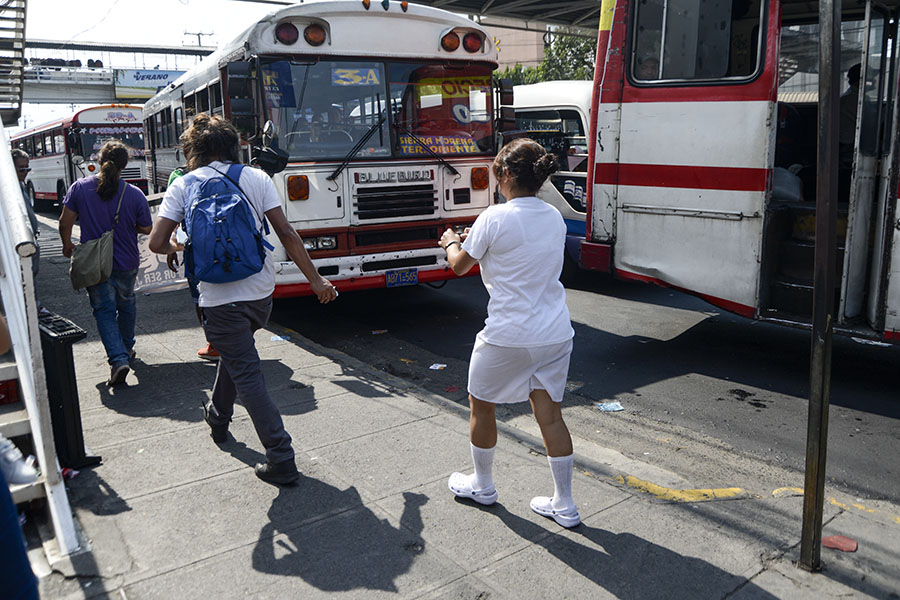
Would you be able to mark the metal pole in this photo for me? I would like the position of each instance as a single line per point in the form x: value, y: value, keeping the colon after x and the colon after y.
x: 823, y: 292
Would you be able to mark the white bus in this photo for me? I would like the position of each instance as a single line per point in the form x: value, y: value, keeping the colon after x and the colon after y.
x: 55, y: 148
x: 385, y: 115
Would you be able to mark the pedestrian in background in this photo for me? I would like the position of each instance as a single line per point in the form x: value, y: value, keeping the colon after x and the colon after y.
x: 21, y: 160
x: 233, y: 311
x: 207, y: 353
x: 524, y: 349
x: 93, y: 201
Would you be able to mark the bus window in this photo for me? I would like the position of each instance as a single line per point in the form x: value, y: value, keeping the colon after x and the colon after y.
x: 59, y: 141
x: 567, y: 121
x: 695, y: 39
x: 322, y: 109
x: 190, y: 107
x: 202, y: 98
x: 48, y: 143
x: 215, y: 99
x: 38, y: 146
x: 447, y: 107
x: 94, y: 136
x: 178, y: 117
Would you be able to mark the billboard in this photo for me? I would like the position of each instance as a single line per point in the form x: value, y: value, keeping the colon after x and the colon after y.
x: 142, y: 83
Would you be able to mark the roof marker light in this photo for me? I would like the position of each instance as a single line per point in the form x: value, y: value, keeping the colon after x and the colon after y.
x: 314, y: 34
x: 404, y: 5
x: 287, y: 34
x: 366, y: 4
x: 450, y: 42
x: 472, y: 42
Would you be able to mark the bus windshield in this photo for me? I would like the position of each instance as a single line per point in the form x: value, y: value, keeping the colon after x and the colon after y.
x: 94, y: 136
x: 322, y: 110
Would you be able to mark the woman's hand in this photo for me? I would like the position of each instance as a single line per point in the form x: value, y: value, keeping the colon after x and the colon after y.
x: 172, y: 261
x: 449, y: 236
x: 67, y: 249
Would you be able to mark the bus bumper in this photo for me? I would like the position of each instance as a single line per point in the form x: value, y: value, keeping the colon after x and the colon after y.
x: 596, y: 257
x: 350, y: 273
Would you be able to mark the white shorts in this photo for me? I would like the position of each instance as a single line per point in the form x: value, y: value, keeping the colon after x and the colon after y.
x: 505, y: 375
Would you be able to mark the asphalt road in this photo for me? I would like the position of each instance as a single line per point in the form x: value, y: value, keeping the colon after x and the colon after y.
x: 717, y: 398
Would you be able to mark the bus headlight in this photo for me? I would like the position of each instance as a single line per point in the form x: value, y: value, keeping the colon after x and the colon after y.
x: 310, y: 244
x: 298, y: 187
x: 328, y: 242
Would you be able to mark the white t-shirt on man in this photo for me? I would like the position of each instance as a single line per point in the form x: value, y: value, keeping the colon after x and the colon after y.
x: 520, y: 246
x: 263, y: 196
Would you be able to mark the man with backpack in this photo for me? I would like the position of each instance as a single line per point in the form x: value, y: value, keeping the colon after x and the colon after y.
x: 226, y: 208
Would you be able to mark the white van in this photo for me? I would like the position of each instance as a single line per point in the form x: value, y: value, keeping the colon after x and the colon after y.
x: 561, y: 106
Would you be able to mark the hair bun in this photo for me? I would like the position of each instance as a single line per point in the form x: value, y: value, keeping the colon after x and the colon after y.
x: 544, y: 166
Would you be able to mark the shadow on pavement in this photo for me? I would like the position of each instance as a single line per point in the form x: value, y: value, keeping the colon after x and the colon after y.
x: 627, y: 566
x: 345, y: 546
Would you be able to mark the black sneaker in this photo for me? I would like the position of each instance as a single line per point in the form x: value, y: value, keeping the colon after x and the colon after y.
x: 283, y: 473
x: 219, y: 433
x: 117, y: 375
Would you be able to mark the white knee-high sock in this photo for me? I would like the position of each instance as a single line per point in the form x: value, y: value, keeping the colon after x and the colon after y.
x: 561, y: 467
x: 483, y: 458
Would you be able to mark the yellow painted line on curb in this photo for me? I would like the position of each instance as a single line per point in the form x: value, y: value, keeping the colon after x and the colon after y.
x: 797, y: 491
x: 664, y: 493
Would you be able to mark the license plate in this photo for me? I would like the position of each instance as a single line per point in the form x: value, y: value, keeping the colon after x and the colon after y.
x: 401, y: 277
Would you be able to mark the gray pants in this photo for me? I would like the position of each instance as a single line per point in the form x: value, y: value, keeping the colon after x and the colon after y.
x: 229, y: 328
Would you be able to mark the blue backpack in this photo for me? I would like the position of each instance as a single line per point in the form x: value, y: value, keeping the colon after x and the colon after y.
x: 223, y: 242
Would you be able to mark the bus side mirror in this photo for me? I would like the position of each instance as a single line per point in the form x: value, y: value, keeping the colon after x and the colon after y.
x: 270, y: 160
x: 506, y: 92
x: 239, y: 85
x: 507, y: 119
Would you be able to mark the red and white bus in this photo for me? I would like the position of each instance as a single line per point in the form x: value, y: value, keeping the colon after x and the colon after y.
x: 386, y: 114
x: 54, y: 148
x: 703, y: 148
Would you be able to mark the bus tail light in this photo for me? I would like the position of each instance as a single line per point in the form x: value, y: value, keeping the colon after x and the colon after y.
x: 298, y: 187
x: 472, y: 42
x: 314, y: 34
x: 450, y: 42
x: 287, y: 34
x: 480, y: 178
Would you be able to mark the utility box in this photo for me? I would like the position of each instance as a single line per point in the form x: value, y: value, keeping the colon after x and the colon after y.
x: 57, y: 336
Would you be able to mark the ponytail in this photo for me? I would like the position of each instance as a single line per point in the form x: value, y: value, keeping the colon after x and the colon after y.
x: 113, y: 158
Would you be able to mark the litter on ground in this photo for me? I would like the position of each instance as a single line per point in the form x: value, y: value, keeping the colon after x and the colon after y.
x: 610, y: 406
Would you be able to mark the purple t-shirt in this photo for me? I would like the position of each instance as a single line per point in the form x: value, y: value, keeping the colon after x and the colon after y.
x: 95, y: 217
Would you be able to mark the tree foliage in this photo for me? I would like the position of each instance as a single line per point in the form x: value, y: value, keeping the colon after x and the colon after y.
x: 566, y: 57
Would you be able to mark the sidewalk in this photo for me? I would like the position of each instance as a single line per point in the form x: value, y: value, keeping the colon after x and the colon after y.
x: 168, y: 514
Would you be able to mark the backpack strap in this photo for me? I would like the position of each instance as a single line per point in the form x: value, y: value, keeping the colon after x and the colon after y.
x: 122, y: 195
x: 234, y: 175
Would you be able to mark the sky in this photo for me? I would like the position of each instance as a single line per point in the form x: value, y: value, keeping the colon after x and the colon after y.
x: 157, y: 22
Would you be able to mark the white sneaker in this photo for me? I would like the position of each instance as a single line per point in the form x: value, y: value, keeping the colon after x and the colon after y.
x: 16, y: 469
x: 461, y: 486
x: 543, y: 506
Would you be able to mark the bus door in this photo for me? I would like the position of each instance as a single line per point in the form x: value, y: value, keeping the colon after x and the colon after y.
x: 694, y: 141
x: 873, y: 155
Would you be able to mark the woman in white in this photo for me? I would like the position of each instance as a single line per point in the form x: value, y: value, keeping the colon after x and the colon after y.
x: 523, y: 351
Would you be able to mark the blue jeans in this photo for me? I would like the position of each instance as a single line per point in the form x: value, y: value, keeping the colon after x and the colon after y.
x: 115, y: 310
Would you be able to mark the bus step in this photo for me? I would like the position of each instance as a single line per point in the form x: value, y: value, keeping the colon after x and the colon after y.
x: 795, y: 297
x: 797, y: 259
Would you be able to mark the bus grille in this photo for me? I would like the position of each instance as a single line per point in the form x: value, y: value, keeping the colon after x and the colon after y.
x: 384, y: 202
x: 131, y: 173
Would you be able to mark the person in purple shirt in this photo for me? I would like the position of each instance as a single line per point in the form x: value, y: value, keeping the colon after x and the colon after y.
x: 93, y: 202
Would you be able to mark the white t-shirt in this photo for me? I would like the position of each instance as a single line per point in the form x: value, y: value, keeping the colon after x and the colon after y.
x: 261, y: 193
x: 520, y: 246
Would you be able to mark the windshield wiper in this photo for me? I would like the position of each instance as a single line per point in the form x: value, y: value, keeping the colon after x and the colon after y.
x: 359, y: 144
x: 428, y: 149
